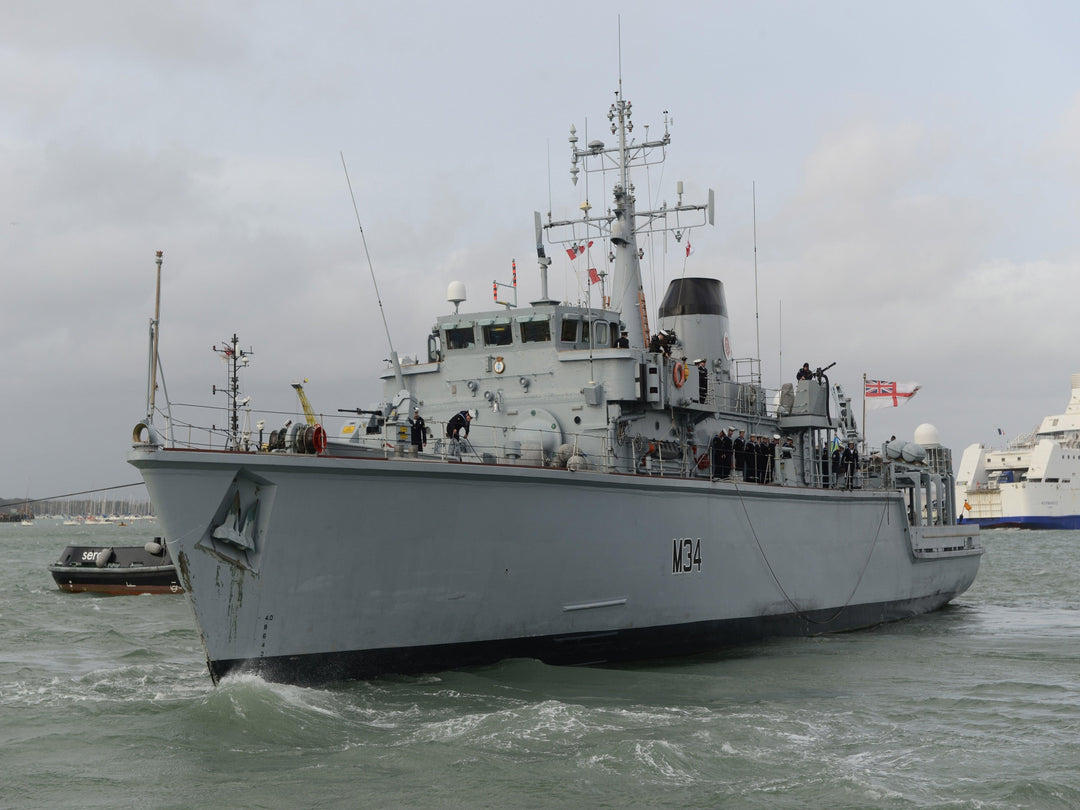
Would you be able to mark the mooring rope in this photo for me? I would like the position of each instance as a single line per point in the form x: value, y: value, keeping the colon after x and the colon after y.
x: 798, y: 611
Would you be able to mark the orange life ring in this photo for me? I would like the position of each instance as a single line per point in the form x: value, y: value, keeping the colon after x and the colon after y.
x: 678, y: 374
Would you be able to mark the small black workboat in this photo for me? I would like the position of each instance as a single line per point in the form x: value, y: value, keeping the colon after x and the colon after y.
x: 117, y: 569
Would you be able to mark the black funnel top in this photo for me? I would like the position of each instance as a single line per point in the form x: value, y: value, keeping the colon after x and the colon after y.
x: 694, y: 296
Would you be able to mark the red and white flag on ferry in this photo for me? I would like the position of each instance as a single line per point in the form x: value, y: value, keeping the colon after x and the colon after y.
x: 886, y: 394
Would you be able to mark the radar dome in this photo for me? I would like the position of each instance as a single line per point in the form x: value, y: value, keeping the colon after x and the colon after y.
x: 927, y: 435
x: 455, y: 293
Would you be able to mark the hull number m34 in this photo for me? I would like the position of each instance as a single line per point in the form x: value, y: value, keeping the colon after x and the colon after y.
x: 685, y: 555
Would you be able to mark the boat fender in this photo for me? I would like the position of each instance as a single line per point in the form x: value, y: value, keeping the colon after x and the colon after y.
x: 153, y: 547
x: 103, y: 558
x: 678, y: 374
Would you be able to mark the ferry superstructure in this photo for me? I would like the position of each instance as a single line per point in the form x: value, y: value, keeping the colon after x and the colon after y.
x: 584, y: 518
x: 1033, y: 483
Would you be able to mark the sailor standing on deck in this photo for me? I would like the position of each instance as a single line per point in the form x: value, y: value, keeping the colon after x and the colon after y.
x: 703, y: 380
x: 738, y: 452
x: 721, y: 454
x: 850, y: 460
x: 419, y: 433
x: 804, y: 373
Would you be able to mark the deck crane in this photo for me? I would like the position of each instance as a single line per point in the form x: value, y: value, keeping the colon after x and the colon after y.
x: 309, y: 414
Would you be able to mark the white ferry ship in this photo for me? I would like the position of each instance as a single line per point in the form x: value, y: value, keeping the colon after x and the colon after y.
x: 1034, y: 483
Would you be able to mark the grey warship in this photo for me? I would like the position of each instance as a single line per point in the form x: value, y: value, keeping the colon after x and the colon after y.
x: 587, y: 513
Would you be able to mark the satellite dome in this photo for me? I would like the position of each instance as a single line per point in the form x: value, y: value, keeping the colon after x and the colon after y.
x: 455, y: 293
x: 927, y: 435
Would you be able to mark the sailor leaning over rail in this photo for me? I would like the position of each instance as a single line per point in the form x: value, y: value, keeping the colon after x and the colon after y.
x: 458, y: 422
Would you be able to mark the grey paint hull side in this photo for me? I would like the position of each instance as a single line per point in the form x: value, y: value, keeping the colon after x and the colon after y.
x: 633, y: 644
x: 363, y: 566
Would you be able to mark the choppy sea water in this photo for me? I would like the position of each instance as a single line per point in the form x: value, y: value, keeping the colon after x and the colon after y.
x: 106, y: 702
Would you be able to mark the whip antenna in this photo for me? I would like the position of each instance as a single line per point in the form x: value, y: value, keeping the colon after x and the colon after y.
x: 367, y: 254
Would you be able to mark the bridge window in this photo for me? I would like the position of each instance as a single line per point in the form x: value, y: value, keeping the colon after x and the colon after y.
x: 535, y: 331
x: 569, y: 330
x: 460, y: 337
x: 498, y: 334
x: 601, y: 333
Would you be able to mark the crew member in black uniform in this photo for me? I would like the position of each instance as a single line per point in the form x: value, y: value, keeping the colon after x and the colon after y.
x: 458, y: 422
x: 702, y: 380
x: 738, y: 452
x: 804, y: 373
x: 850, y: 460
x: 624, y: 341
x: 750, y: 459
x: 419, y: 432
x: 721, y: 454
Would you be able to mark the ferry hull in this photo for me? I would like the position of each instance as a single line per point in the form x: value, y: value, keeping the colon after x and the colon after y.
x: 313, y: 569
x: 1044, y: 522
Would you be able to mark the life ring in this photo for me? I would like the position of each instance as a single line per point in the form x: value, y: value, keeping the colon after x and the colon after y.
x: 678, y: 374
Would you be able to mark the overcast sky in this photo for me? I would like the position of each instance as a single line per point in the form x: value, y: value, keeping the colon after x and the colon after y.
x: 917, y: 168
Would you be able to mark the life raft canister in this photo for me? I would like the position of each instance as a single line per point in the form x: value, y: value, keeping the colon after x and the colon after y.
x: 678, y: 374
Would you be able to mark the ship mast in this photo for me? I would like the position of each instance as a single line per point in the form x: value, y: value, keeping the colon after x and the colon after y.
x: 151, y: 384
x: 622, y: 223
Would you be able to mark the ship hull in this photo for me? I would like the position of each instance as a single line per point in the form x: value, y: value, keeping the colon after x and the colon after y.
x: 588, y: 648
x: 308, y: 569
